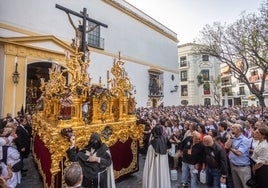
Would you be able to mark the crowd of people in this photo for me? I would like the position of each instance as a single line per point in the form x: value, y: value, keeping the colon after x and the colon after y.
x: 229, y: 144
x: 15, y: 145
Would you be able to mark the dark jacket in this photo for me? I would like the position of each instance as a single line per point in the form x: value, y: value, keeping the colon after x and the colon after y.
x: 196, y: 154
x: 91, y: 170
x: 23, y: 141
x: 215, y: 157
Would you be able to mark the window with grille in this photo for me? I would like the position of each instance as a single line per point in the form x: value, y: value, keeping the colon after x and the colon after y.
x: 183, y: 61
x: 205, y: 73
x: 241, y: 91
x: 94, y: 39
x: 183, y: 75
x: 184, y: 90
x: 205, y: 58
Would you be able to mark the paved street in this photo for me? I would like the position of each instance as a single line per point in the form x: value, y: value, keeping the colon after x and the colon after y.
x: 33, y: 180
x: 135, y: 180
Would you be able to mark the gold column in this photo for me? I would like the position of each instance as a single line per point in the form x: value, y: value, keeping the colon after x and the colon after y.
x: 77, y: 110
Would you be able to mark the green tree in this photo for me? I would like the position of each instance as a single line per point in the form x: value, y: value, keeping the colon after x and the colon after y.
x: 240, y: 45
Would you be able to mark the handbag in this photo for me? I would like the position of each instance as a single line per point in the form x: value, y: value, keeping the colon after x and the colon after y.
x: 203, y: 177
x: 252, y: 181
x: 173, y: 175
x: 172, y: 150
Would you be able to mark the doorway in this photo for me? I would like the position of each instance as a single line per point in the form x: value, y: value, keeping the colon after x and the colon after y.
x: 35, y: 72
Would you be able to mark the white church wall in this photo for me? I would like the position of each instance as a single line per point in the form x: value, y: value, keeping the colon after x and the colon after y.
x: 141, y: 45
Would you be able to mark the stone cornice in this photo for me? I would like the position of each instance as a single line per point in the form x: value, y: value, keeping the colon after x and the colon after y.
x: 134, y: 15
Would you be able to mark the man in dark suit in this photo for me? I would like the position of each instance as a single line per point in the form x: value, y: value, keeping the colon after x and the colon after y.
x: 23, y: 140
x: 28, y: 126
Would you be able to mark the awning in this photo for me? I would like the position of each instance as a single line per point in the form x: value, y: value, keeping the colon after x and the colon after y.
x: 225, y: 70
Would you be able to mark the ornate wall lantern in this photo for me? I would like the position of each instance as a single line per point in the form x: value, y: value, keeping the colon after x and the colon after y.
x: 16, y: 75
x: 175, y: 89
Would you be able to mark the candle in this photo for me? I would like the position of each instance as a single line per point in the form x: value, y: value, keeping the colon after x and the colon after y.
x: 67, y: 54
x: 108, y: 76
x: 42, y: 81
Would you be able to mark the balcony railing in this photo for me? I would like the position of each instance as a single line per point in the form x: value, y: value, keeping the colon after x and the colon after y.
x: 241, y: 93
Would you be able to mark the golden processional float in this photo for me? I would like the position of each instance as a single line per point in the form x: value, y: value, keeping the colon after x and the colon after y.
x: 108, y: 111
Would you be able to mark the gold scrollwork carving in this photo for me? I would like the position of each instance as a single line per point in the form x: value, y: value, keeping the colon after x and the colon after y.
x: 108, y: 112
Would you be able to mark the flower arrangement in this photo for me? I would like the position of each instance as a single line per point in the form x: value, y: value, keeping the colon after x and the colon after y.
x: 98, y: 92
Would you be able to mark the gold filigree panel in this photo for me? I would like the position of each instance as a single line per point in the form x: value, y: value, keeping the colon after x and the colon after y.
x: 50, y: 134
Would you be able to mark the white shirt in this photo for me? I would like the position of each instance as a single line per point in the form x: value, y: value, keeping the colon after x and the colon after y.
x: 260, y: 153
x: 13, y: 156
x: 13, y: 181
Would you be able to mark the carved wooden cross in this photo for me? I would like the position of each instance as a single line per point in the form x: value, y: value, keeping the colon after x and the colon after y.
x: 81, y: 28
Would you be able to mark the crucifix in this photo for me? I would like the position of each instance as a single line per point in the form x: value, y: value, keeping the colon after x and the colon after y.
x: 82, y: 29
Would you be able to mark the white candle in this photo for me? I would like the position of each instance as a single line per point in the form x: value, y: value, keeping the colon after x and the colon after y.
x: 108, y: 76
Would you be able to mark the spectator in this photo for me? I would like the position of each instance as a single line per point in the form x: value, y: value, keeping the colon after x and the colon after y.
x: 201, y: 129
x: 23, y: 141
x: 260, y: 157
x: 239, y: 147
x: 7, y: 176
x: 192, y: 128
x: 28, y: 126
x: 215, y: 163
x: 213, y: 133
x: 209, y: 125
x: 248, y: 130
x: 73, y: 176
x: 223, y: 132
x: 176, y: 140
x: 253, y: 142
x: 5, y: 120
x: 192, y: 152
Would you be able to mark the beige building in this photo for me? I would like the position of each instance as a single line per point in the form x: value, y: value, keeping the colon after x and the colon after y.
x: 237, y: 93
x: 191, y: 66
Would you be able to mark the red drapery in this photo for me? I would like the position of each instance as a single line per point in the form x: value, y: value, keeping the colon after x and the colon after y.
x: 122, y: 156
x: 42, y: 154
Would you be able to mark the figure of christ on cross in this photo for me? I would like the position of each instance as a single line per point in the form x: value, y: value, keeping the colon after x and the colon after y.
x: 81, y: 30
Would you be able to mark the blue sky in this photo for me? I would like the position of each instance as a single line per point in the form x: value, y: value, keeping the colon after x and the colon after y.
x: 188, y: 17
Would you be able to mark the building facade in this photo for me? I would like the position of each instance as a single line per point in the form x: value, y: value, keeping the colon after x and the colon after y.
x: 236, y: 93
x: 197, y: 74
x: 229, y: 90
x: 36, y: 34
